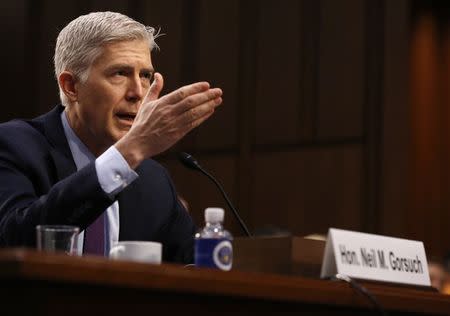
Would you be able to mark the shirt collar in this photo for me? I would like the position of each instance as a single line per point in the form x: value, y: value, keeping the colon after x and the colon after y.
x: 81, y: 154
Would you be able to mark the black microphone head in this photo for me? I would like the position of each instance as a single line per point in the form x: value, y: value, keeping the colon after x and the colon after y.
x: 188, y: 161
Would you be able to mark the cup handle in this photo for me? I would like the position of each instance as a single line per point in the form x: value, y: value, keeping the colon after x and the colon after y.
x: 115, y: 252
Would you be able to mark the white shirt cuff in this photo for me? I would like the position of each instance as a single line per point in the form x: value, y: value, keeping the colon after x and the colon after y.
x: 113, y: 171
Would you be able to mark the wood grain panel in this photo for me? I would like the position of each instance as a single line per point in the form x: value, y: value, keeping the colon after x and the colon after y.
x: 425, y: 187
x: 14, y: 53
x: 310, y: 190
x: 428, y: 202
x: 217, y: 60
x: 445, y: 95
x: 341, y: 69
x: 249, y: 21
x: 279, y: 55
x: 396, y: 133
x: 373, y: 111
x: 441, y: 240
x: 309, y: 66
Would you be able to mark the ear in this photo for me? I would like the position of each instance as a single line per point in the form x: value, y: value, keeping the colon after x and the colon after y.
x: 68, y: 83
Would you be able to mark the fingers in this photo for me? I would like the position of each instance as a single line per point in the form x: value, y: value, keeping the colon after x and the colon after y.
x: 193, y: 124
x: 188, y: 125
x: 194, y: 102
x: 196, y: 115
x: 213, y: 97
x: 184, y: 92
x: 172, y: 116
x: 155, y: 88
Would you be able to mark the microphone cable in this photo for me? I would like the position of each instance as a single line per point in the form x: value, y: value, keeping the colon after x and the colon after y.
x: 190, y: 162
x: 361, y: 289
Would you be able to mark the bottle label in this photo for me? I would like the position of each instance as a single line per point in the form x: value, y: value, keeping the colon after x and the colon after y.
x: 214, y: 253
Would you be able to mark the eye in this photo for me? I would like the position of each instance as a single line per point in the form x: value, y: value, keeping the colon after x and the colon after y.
x: 120, y: 73
x: 147, y: 75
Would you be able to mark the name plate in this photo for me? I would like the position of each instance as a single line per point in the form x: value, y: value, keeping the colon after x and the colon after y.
x: 375, y: 257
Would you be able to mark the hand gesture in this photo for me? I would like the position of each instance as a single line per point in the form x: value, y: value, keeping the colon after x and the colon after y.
x: 161, y: 122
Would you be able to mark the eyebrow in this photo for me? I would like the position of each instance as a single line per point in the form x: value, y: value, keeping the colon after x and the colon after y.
x: 128, y: 67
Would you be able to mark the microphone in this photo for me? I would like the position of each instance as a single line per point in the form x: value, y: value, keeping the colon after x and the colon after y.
x: 190, y: 162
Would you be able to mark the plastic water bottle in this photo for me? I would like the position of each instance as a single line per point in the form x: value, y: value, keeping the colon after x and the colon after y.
x: 213, y: 244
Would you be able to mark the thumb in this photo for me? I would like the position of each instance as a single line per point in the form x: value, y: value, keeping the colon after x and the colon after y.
x: 156, y: 87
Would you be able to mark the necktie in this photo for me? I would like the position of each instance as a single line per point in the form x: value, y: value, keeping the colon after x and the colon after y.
x: 94, y: 242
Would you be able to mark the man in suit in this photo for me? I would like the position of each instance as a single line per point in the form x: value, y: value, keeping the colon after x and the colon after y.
x: 88, y: 161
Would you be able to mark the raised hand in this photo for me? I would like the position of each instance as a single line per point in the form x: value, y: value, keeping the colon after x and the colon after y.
x: 161, y: 122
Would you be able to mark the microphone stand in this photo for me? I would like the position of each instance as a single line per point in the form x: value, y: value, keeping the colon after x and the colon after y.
x: 241, y: 222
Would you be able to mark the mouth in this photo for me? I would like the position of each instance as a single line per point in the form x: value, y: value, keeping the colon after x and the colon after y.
x: 126, y: 118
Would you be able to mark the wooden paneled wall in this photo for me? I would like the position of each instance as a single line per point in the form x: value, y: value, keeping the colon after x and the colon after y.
x: 315, y: 130
x: 430, y: 119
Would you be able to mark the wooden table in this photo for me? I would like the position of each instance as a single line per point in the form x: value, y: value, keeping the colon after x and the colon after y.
x: 34, y: 283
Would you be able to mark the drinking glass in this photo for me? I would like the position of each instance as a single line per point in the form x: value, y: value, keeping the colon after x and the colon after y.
x: 57, y: 238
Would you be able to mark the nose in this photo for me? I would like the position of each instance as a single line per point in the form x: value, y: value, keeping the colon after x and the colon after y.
x: 135, y: 90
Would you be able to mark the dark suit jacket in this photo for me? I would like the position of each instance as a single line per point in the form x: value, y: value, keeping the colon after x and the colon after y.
x: 39, y: 184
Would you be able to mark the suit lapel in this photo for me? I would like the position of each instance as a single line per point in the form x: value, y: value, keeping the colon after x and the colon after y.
x: 64, y: 166
x: 61, y: 154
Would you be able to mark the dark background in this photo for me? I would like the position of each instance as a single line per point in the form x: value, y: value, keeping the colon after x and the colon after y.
x: 335, y: 114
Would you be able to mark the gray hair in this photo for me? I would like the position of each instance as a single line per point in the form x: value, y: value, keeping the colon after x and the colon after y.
x: 81, y: 41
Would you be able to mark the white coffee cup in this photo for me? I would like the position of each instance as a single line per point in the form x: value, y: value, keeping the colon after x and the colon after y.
x: 140, y: 251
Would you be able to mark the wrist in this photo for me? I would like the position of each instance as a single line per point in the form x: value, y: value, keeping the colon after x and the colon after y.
x: 130, y: 153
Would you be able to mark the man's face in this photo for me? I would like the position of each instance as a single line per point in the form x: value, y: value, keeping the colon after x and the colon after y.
x: 108, y: 101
